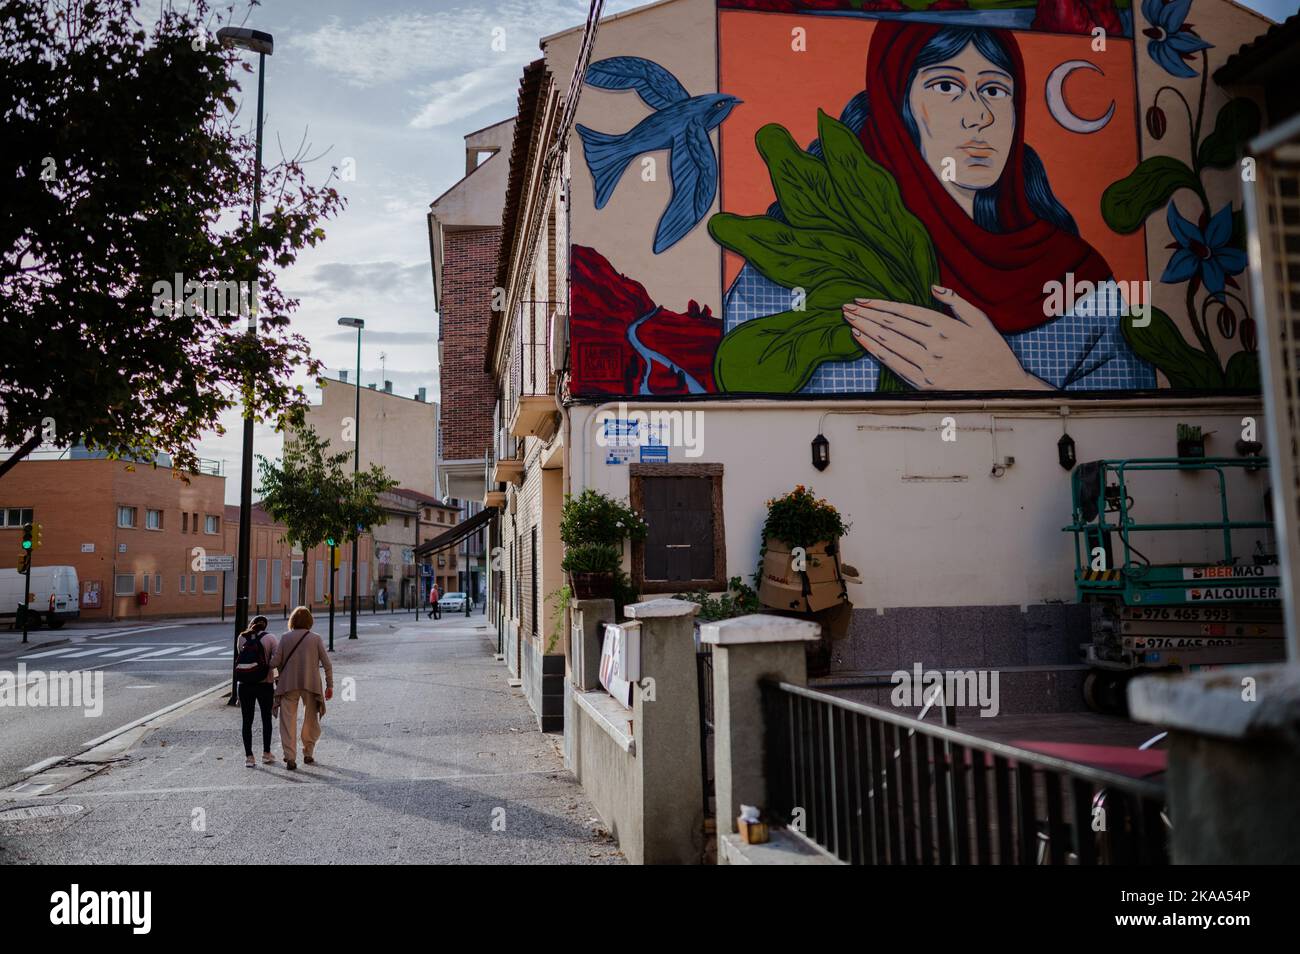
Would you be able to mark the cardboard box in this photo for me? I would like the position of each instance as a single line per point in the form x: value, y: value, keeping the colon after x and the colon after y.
x: 781, y: 585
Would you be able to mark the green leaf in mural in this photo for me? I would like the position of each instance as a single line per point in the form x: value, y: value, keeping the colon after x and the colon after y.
x: 1126, y: 204
x: 777, y: 354
x: 801, y: 181
x: 847, y: 235
x: 1242, y: 371
x: 1236, y: 124
x: 1161, y: 344
x: 804, y: 258
x: 876, y: 210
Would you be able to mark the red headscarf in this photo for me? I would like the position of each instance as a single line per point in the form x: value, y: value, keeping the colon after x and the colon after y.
x: 1002, y: 273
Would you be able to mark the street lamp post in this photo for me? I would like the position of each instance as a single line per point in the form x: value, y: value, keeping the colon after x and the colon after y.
x: 262, y: 44
x: 358, y: 324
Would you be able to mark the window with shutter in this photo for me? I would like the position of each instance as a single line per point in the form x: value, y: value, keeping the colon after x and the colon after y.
x: 684, y: 547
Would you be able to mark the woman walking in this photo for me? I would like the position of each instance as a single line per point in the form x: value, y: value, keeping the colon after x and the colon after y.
x: 256, y: 679
x: 299, y: 658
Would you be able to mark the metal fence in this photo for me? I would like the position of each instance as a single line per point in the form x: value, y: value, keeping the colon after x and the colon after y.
x: 875, y: 787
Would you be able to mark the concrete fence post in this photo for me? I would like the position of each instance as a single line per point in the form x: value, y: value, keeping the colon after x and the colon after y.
x: 666, y: 726
x: 747, y: 650
x: 1233, y: 781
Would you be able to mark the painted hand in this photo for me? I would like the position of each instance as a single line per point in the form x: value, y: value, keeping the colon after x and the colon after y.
x: 329, y: 693
x: 933, y: 351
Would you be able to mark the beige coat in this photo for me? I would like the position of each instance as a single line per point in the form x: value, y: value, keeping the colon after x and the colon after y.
x: 304, y: 664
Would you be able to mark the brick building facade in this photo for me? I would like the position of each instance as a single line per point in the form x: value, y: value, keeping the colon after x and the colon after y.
x: 130, y: 529
x: 468, y: 393
x: 127, y: 529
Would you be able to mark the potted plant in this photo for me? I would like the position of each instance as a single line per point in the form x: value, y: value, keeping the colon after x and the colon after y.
x: 799, y: 565
x: 593, y: 527
x: 738, y: 600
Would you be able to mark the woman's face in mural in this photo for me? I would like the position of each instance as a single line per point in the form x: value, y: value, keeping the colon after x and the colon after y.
x: 965, y: 114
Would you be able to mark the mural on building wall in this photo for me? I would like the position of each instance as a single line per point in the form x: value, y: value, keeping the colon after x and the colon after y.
x: 939, y: 197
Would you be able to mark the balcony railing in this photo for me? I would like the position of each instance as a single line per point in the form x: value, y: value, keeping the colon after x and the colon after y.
x: 539, y: 337
x: 532, y: 367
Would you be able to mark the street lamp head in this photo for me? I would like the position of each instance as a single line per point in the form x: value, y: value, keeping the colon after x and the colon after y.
x: 352, y: 322
x: 246, y: 39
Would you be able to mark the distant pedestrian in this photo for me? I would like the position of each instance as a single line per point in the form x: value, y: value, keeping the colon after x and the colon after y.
x: 299, y: 659
x: 256, y: 680
x: 434, y: 596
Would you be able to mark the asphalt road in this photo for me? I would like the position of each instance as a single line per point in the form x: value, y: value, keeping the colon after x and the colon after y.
x: 146, y: 667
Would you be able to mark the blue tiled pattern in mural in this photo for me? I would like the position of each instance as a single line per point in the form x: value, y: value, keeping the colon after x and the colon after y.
x: 1083, y: 350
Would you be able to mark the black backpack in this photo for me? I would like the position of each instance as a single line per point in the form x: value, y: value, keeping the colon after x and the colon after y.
x: 252, y: 666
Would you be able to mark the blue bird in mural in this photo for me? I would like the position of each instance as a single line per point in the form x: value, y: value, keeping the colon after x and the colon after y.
x: 681, y: 122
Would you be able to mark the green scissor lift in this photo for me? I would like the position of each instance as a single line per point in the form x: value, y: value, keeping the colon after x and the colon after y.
x: 1152, y: 616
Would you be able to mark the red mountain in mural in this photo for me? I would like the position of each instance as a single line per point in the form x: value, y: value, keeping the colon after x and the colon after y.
x: 617, y: 331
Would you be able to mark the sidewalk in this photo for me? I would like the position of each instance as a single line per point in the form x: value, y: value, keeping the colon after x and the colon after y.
x: 436, y: 760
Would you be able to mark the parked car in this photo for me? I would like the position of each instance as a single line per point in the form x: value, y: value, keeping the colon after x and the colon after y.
x: 453, y: 602
x: 56, y: 590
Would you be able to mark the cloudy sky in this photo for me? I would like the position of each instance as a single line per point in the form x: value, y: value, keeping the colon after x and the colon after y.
x: 393, y: 86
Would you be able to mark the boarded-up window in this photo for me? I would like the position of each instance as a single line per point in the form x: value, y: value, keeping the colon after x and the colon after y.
x: 682, y: 506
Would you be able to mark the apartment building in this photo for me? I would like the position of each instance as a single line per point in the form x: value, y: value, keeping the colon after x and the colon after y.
x: 412, y: 519
x: 280, y: 577
x: 527, y: 461
x: 464, y: 239
x: 396, y: 432
x: 135, y: 533
x: 676, y: 286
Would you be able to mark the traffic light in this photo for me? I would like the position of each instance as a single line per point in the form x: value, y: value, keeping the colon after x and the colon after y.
x: 36, y: 535
x: 329, y: 541
x: 27, y: 537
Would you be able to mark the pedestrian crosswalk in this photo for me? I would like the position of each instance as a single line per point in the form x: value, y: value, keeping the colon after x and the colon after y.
x: 132, y: 653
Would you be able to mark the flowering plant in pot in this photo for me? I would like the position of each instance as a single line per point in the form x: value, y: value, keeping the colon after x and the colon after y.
x: 799, y: 565
x: 593, y: 527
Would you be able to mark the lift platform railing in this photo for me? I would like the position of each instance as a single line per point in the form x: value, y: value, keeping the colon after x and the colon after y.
x: 1093, y: 531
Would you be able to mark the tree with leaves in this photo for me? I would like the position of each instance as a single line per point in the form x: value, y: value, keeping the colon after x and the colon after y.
x: 124, y: 168
x: 314, y: 494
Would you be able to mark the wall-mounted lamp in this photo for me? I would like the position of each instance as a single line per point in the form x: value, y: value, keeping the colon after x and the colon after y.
x: 1065, y: 451
x: 821, y: 452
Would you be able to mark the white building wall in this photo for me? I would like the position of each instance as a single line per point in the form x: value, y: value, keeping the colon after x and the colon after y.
x: 931, y: 525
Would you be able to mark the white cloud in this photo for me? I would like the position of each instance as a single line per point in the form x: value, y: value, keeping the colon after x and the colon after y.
x: 450, y: 100
x: 402, y: 46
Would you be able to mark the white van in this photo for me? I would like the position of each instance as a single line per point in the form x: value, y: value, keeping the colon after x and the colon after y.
x: 57, y: 595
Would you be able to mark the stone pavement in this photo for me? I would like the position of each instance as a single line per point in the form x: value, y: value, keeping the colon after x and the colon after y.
x: 436, y: 760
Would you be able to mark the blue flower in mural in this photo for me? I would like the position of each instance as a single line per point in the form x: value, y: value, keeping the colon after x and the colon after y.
x: 1203, y: 252
x: 1172, y: 40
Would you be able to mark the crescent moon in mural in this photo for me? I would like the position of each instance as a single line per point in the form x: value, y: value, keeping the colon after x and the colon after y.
x: 1057, y: 106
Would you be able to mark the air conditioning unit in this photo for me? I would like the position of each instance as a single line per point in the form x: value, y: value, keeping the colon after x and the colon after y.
x: 559, y: 332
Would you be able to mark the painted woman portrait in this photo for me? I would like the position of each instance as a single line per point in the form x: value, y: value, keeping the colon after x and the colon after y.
x: 943, y: 111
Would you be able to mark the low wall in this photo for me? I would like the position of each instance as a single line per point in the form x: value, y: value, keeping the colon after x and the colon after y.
x: 543, y: 684
x: 603, y: 759
x: 640, y: 767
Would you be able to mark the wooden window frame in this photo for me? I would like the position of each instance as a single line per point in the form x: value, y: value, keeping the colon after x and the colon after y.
x: 636, y: 497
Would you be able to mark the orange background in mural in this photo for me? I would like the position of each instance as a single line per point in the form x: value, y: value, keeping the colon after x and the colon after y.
x: 778, y: 85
